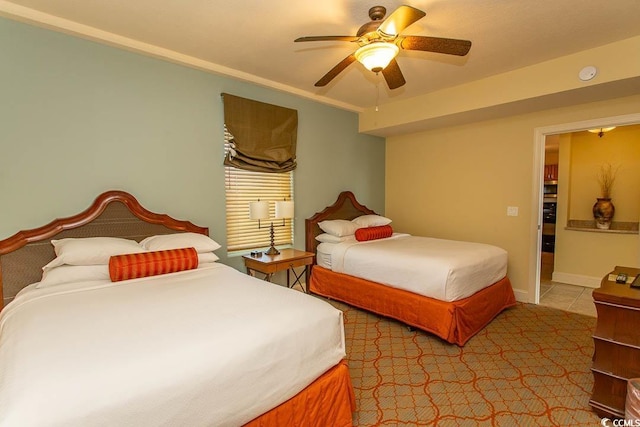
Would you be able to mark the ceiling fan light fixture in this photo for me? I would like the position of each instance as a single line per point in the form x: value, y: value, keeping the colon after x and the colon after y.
x: 376, y: 56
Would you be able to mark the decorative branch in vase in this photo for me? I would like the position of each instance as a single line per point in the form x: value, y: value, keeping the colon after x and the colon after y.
x: 604, y: 210
x: 606, y: 178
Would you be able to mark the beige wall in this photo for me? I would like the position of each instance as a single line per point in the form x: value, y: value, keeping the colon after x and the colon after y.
x: 549, y: 83
x: 551, y: 158
x: 457, y: 182
x: 581, y: 257
x: 619, y: 148
x: 552, y: 143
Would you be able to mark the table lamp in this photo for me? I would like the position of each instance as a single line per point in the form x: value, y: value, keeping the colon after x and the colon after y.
x: 260, y: 210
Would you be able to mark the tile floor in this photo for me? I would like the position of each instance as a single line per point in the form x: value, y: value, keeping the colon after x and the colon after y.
x: 573, y: 298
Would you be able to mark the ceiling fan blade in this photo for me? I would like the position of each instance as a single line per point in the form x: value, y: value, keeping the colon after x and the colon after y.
x: 436, y: 44
x: 393, y: 75
x: 400, y: 19
x: 326, y: 38
x: 336, y: 70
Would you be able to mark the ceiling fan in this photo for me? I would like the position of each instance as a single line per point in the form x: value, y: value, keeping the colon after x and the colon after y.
x: 380, y: 41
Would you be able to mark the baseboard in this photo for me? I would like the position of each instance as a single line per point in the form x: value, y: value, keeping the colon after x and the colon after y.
x: 576, y: 279
x: 521, y: 296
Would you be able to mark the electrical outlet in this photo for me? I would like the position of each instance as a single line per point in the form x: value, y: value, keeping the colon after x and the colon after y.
x: 512, y: 211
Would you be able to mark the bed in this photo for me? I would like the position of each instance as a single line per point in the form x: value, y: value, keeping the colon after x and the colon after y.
x: 474, y: 286
x: 201, y: 345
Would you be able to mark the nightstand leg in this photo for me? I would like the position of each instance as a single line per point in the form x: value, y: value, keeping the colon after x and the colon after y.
x: 298, y: 278
x: 267, y: 276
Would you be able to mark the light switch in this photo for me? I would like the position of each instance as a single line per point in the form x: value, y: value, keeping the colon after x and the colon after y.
x: 512, y: 211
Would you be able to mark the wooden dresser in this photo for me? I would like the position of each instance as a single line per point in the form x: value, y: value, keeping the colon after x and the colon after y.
x: 617, y: 343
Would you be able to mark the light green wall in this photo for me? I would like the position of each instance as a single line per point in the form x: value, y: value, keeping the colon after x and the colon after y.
x: 79, y: 118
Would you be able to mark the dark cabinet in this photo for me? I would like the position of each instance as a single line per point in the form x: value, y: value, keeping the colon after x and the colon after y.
x: 550, y: 172
x: 616, y: 357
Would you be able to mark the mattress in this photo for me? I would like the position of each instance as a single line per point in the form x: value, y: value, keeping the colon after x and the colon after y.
x: 447, y: 270
x: 202, y: 347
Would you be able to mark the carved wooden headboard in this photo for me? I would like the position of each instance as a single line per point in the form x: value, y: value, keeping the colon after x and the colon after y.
x: 112, y: 214
x: 346, y: 207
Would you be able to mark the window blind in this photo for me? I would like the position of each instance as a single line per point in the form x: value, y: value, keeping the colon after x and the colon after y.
x: 265, y: 135
x: 243, y: 187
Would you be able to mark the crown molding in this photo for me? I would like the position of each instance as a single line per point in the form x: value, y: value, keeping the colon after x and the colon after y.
x: 31, y: 16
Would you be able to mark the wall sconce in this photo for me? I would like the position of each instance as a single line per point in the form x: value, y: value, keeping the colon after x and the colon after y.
x: 601, y: 131
x: 260, y: 211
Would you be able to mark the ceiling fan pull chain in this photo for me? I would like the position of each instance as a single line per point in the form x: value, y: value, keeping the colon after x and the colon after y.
x: 377, y: 89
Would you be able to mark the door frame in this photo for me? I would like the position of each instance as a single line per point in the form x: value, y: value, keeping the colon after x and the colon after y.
x: 540, y: 134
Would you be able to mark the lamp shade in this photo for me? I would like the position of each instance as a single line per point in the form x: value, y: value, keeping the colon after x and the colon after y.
x: 259, y: 210
x: 284, y: 209
x: 376, y: 56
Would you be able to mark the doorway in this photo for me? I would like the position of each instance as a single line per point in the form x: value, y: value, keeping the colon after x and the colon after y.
x: 573, y: 298
x: 540, y: 138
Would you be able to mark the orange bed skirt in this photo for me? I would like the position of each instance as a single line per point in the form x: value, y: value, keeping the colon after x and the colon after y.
x: 455, y: 322
x: 328, y: 401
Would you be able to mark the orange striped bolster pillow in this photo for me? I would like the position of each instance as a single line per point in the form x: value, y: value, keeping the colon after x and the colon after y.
x: 133, y: 266
x: 373, y: 233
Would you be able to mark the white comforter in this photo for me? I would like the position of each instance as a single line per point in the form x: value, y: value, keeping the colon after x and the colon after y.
x: 206, y: 347
x: 447, y: 270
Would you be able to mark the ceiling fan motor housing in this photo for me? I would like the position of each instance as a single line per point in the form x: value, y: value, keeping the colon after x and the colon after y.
x: 377, y: 13
x: 370, y: 28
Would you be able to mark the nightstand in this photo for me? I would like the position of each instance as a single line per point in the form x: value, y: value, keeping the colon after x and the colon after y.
x: 287, y: 260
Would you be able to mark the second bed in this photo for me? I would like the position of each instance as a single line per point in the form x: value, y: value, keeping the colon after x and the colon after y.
x: 450, y: 288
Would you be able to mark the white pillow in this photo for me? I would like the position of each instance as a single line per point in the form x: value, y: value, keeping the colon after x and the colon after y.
x: 207, y: 257
x: 91, y: 250
x: 73, y: 273
x: 365, y: 221
x: 338, y: 227
x: 328, y: 238
x: 163, y: 242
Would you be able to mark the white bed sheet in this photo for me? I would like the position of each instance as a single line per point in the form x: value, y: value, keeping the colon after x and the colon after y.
x: 203, y: 347
x: 447, y: 270
x: 323, y: 254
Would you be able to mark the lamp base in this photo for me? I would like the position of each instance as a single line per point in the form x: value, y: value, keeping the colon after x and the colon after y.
x: 272, y: 251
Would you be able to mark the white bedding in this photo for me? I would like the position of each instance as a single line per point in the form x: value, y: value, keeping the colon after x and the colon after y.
x: 323, y: 254
x: 203, y: 347
x: 446, y: 270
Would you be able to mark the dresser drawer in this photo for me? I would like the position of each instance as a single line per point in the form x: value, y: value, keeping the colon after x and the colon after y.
x: 283, y: 266
x: 617, y: 359
x: 609, y: 391
x: 618, y: 323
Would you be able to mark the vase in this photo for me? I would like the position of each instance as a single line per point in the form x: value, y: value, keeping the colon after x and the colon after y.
x: 603, y: 212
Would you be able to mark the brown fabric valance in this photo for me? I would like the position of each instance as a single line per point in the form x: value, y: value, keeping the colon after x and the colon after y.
x: 264, y: 135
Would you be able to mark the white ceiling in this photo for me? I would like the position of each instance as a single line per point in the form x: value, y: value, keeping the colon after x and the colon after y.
x: 253, y: 39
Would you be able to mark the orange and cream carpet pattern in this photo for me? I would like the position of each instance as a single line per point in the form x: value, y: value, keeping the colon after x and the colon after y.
x: 530, y: 366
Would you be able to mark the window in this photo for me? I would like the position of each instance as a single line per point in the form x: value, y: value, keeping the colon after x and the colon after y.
x: 260, y: 156
x: 243, y: 187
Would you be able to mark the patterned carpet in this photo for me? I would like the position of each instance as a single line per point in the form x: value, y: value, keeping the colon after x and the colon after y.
x: 530, y: 366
